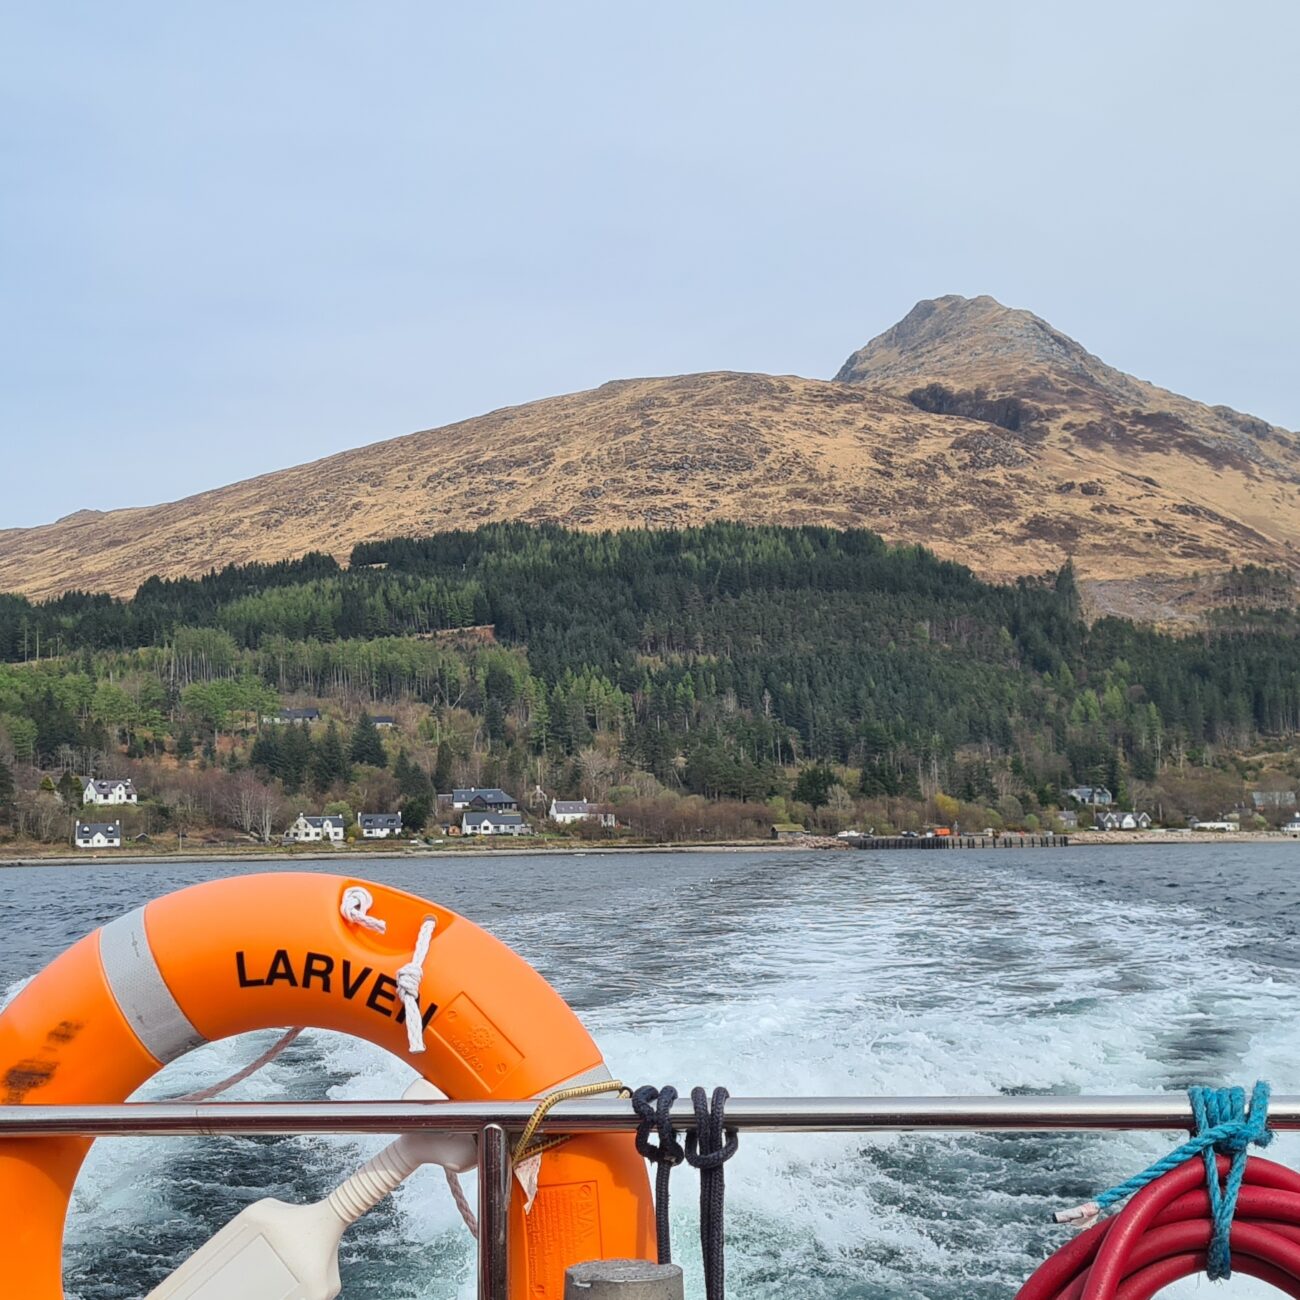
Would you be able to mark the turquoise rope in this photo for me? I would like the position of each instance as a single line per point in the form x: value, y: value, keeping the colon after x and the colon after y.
x: 1223, y: 1127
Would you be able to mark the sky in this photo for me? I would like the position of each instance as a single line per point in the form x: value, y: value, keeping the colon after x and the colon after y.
x: 235, y: 237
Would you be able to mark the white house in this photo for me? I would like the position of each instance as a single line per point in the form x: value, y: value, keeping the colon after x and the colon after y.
x: 379, y: 826
x: 566, y: 811
x: 1293, y: 826
x: 108, y: 792
x: 1092, y: 796
x: 293, y: 715
x: 1124, y: 821
x: 1213, y: 826
x: 493, y: 823
x: 99, y: 835
x: 306, y: 829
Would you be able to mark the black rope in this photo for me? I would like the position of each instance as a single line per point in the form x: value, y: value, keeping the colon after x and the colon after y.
x: 708, y: 1149
x: 654, y: 1107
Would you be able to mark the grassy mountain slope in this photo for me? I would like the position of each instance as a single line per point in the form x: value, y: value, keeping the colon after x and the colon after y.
x: 975, y: 429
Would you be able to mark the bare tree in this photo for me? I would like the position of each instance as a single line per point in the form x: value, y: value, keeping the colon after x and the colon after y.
x: 598, y: 768
x: 270, y: 813
x: 253, y: 806
x: 40, y: 816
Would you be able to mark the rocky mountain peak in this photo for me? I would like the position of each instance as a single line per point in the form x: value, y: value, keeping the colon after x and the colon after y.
x: 967, y: 337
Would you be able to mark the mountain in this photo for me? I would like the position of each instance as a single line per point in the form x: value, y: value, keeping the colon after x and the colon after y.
x: 975, y: 429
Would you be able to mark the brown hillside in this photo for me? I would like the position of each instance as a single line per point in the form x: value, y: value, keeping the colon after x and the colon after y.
x: 972, y: 428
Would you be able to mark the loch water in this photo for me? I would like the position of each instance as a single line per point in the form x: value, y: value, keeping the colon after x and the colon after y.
x: 1101, y: 970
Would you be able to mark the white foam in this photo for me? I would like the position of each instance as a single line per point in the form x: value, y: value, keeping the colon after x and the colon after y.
x: 888, y: 980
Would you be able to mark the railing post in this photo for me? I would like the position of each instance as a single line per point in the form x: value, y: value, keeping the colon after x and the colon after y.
x: 494, y: 1189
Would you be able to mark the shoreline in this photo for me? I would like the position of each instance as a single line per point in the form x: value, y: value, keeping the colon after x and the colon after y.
x: 424, y: 853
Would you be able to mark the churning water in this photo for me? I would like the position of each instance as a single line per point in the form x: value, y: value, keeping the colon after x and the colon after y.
x: 1101, y: 970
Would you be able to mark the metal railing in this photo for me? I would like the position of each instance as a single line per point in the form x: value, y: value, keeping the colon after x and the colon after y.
x: 495, y: 1122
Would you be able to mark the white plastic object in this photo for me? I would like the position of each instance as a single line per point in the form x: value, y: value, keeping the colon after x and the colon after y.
x: 276, y: 1251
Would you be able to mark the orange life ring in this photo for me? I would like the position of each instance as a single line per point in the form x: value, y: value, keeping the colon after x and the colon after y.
x: 256, y: 952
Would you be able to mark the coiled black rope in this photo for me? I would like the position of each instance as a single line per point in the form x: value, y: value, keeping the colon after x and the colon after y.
x: 707, y: 1149
x: 654, y: 1107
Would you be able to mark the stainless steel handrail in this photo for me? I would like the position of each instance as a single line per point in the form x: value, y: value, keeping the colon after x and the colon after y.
x: 494, y: 1122
x: 762, y: 1114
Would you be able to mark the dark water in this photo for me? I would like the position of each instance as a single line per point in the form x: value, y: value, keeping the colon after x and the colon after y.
x: 1086, y: 970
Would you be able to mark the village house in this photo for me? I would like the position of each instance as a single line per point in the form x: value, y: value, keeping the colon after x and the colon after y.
x: 1069, y: 819
x: 1124, y: 821
x: 109, y: 792
x: 379, y: 826
x: 1293, y: 826
x: 1091, y: 796
x: 384, y: 720
x: 494, y: 823
x: 99, y: 835
x: 293, y: 715
x: 788, y: 831
x: 566, y: 811
x: 1223, y: 826
x: 306, y: 830
x: 487, y: 799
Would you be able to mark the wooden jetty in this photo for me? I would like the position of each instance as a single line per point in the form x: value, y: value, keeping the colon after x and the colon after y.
x: 1015, y: 841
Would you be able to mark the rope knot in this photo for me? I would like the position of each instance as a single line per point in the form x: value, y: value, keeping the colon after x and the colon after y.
x: 1224, y: 1126
x: 409, y: 978
x: 654, y: 1107
x: 712, y: 1144
x: 356, y: 905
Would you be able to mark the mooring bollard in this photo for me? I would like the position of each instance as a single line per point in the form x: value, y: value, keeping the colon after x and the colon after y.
x: 623, y: 1279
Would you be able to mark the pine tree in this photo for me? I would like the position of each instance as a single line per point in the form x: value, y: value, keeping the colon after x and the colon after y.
x: 329, y: 761
x: 366, y: 745
x: 71, y: 791
x: 295, y: 754
x: 415, y: 812
x: 442, y: 768
x: 411, y: 780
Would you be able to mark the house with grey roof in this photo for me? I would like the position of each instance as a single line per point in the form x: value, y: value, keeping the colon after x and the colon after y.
x: 379, y: 826
x: 1091, y: 796
x: 1124, y: 821
x: 566, y: 811
x: 98, y: 835
x: 293, y: 715
x: 487, y: 798
x: 494, y: 823
x: 308, y: 830
x: 109, y: 792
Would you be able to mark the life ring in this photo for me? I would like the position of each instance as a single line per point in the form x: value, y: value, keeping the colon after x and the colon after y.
x: 255, y: 952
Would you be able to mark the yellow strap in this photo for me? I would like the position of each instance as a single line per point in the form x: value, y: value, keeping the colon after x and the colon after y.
x: 526, y: 1148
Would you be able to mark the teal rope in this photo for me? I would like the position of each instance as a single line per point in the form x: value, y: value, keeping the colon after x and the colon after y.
x: 1223, y: 1127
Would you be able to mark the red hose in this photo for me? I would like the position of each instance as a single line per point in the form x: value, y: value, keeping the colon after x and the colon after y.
x: 1162, y: 1234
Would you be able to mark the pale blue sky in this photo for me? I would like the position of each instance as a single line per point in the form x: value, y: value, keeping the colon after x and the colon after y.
x: 238, y: 236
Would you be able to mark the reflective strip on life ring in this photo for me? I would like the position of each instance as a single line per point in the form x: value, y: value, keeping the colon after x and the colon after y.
x: 259, y: 952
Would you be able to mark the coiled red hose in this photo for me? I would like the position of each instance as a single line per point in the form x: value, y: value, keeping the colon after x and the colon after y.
x: 1162, y: 1234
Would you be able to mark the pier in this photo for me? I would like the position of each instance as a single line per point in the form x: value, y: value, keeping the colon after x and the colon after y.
x: 1016, y: 841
